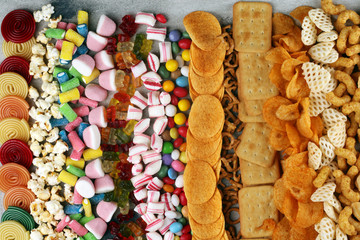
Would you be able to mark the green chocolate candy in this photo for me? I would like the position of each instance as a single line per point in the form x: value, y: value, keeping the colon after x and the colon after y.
x: 175, y: 48
x: 167, y: 148
x: 163, y: 72
x: 163, y: 171
x: 182, y: 221
x: 178, y: 208
x: 186, y: 35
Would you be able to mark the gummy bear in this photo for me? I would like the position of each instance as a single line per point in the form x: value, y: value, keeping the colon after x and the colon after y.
x: 113, y: 102
x: 131, y: 90
x: 125, y: 173
x: 111, y: 41
x: 125, y: 217
x: 129, y: 59
x: 137, y: 45
x: 123, y: 37
x: 122, y: 81
x: 136, y: 82
x: 123, y: 157
x: 113, y: 156
x: 124, y: 46
x: 117, y: 123
x: 121, y: 136
x: 128, y: 25
x: 145, y: 48
x: 112, y: 136
x: 136, y: 229
x: 120, y: 64
x: 111, y: 49
x: 122, y: 96
x: 129, y: 129
x: 111, y: 113
x: 105, y: 132
x: 120, y: 115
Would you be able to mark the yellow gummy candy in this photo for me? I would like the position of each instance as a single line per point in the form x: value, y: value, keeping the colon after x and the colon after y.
x: 83, y: 17
x: 13, y: 230
x: 79, y: 164
x: 87, y: 207
x: 95, y: 73
x: 68, y: 178
x: 90, y: 154
x: 70, y: 95
x: 74, y: 37
x: 67, y: 50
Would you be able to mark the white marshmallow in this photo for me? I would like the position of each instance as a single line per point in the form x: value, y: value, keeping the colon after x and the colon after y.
x: 165, y: 51
x: 157, y: 34
x: 142, y: 125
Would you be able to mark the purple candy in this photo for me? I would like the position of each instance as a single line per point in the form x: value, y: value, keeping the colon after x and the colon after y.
x: 167, y: 160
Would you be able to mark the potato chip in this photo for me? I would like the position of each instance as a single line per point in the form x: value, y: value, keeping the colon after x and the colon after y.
x: 282, y: 230
x: 301, y: 56
x: 303, y: 233
x: 297, y: 160
x: 290, y: 207
x: 308, y: 214
x: 277, y: 79
x: 303, y: 123
x: 316, y: 127
x: 297, y: 87
x: 300, y: 12
x: 288, y: 112
x: 292, y: 41
x: 279, y: 140
x: 269, y: 112
x: 280, y: 191
x: 288, y: 68
x: 268, y: 225
x: 277, y: 55
x: 282, y: 24
x: 293, y: 135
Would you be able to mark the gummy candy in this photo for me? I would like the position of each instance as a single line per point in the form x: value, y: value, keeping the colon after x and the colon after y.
x: 124, y: 46
x: 137, y: 45
x: 128, y: 25
x: 136, y: 229
x: 129, y: 129
x: 129, y: 58
x: 122, y: 96
x: 121, y: 136
x: 123, y: 37
x: 145, y: 48
x: 120, y: 64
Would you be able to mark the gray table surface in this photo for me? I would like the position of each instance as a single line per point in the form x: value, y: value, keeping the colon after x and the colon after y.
x: 173, y: 10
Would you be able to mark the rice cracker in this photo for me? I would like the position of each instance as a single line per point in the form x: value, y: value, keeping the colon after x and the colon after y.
x: 206, y: 85
x: 246, y: 118
x: 255, y: 205
x: 212, y: 230
x: 253, y: 174
x: 206, y: 118
x: 254, y: 146
x: 252, y: 26
x: 207, y: 63
x: 204, y: 29
x: 203, y: 175
x: 253, y: 77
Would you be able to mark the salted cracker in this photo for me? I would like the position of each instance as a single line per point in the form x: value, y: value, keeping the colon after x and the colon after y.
x: 255, y: 205
x: 254, y: 107
x: 245, y: 117
x: 252, y: 26
x: 253, y: 77
x: 254, y: 146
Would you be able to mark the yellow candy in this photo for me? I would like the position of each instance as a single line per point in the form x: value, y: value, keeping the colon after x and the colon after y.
x: 168, y: 86
x: 74, y: 37
x: 90, y: 154
x: 182, y: 157
x: 79, y: 164
x: 186, y: 55
x: 95, y: 73
x: 174, y: 134
x: 180, y: 118
x: 67, y: 50
x: 176, y: 238
x: 13, y: 230
x: 83, y: 17
x: 68, y: 178
x: 87, y: 207
x: 70, y: 95
x: 184, y: 105
x: 172, y: 65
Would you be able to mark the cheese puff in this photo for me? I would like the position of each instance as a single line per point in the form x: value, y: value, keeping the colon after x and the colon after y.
x: 341, y: 42
x: 344, y: 17
x: 337, y: 101
x: 344, y: 223
x: 322, y: 176
x: 346, y: 153
x: 342, y: 62
x: 347, y: 191
x: 340, y: 90
x: 329, y: 7
x: 347, y: 80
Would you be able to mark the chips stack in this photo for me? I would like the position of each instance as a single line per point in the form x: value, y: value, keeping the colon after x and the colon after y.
x: 206, y: 121
x: 207, y: 53
x: 259, y: 163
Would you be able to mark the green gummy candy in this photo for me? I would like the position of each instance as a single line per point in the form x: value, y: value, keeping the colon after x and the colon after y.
x: 90, y: 236
x: 68, y: 112
x: 75, y: 72
x: 68, y: 85
x: 58, y: 70
x: 85, y: 219
x: 76, y: 216
x: 76, y: 171
x: 56, y: 33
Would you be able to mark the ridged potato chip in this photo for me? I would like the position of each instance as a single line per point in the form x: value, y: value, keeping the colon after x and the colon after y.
x: 269, y: 112
x: 300, y: 12
x: 282, y: 24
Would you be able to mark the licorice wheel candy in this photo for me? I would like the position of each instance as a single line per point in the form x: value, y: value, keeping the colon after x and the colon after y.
x: 18, y: 65
x: 16, y: 151
x: 14, y: 106
x: 18, y: 197
x: 14, y: 128
x: 19, y: 215
x: 12, y: 175
x: 18, y: 26
x: 23, y: 50
x: 13, y: 230
x: 13, y: 84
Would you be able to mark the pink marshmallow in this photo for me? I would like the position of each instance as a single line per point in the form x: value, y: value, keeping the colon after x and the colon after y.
x: 76, y: 142
x: 94, y: 169
x: 95, y: 42
x: 95, y: 92
x: 103, y: 61
x: 77, y: 197
x: 106, y: 210
x: 97, y: 227
x: 76, y: 155
x: 84, y: 64
x: 81, y: 89
x: 82, y: 111
x: 61, y: 25
x: 104, y: 184
x: 77, y: 228
x: 85, y: 187
x: 97, y: 117
x: 106, y: 27
x: 88, y: 102
x: 107, y: 80
x: 92, y: 137
x: 74, y: 124
x: 71, y: 26
x: 63, y: 223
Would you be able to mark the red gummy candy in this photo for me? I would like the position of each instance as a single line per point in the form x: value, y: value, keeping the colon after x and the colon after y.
x: 128, y: 25
x: 18, y: 26
x: 16, y: 151
x: 122, y: 96
x: 111, y: 41
x: 161, y: 18
x: 123, y: 37
x: 18, y: 65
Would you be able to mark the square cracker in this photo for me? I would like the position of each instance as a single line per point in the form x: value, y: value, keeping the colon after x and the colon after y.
x: 254, y: 146
x: 254, y: 107
x: 245, y: 117
x: 252, y: 26
x: 255, y: 205
x: 253, y: 174
x: 253, y: 77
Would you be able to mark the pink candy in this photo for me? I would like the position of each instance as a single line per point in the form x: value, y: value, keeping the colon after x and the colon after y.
x: 71, y: 26
x: 84, y: 64
x: 178, y: 166
x: 165, y: 51
x: 77, y: 197
x: 106, y: 27
x: 97, y: 227
x: 85, y: 187
x: 88, y: 102
x: 145, y: 18
x: 154, y: 225
x: 63, y: 223
x: 107, y: 80
x: 153, y: 167
x: 150, y: 156
x: 153, y: 196
x: 140, y: 193
x: 153, y: 98
x: 76, y: 155
x: 103, y: 61
x: 106, y: 210
x: 158, y: 34
x: 152, y: 85
x: 156, y: 207
x: 97, y: 117
x: 137, y: 149
x: 160, y: 125
x: 92, y: 137
x: 95, y: 92
x: 77, y: 228
x: 95, y: 42
x: 140, y: 180
x: 74, y: 124
x: 140, y: 138
x: 141, y: 208
x: 76, y: 142
x: 134, y: 113
x: 155, y: 184
x: 82, y: 111
x: 104, y: 184
x: 61, y: 25
x: 94, y: 169
x: 139, y: 100
x: 156, y: 111
x: 165, y: 98
x: 138, y: 69
x: 153, y: 62
x: 156, y: 143
x: 142, y: 125
x: 137, y: 169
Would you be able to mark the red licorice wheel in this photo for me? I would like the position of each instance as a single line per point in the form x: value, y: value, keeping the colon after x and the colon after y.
x: 18, y: 26
x: 18, y: 65
x: 16, y: 151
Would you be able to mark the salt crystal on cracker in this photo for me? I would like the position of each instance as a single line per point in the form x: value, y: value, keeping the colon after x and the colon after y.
x: 323, y: 193
x: 321, y: 50
x: 337, y: 134
x: 314, y: 155
x: 308, y: 32
x: 321, y: 19
x: 316, y: 77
